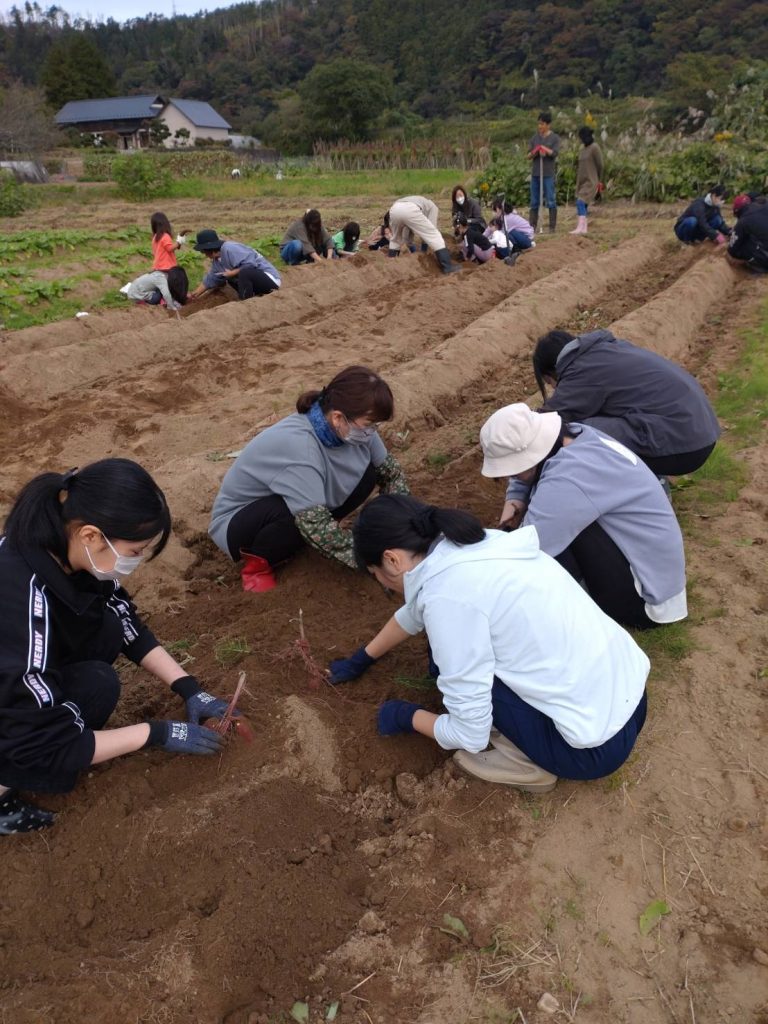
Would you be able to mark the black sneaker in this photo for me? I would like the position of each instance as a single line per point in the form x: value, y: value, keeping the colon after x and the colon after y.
x: 17, y: 816
x: 511, y: 260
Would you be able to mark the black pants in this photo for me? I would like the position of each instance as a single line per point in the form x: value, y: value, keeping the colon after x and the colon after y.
x: 267, y: 528
x: 252, y: 281
x: 594, y: 558
x: 95, y: 687
x: 677, y: 465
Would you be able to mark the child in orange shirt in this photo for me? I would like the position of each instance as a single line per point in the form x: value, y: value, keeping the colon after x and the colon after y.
x: 163, y: 245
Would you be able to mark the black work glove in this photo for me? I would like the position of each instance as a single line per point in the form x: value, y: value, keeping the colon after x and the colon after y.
x: 200, y: 704
x: 184, y: 738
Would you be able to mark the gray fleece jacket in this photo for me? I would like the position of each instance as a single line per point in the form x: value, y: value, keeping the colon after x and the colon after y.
x: 645, y: 401
x: 596, y: 479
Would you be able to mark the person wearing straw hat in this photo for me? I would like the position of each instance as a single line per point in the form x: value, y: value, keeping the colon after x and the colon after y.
x: 597, y: 508
x: 523, y: 658
x: 233, y: 263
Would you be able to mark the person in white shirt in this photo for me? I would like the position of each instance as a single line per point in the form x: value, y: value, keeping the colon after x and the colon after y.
x: 525, y: 659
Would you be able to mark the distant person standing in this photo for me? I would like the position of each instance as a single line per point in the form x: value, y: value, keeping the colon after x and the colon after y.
x: 588, y: 175
x: 703, y: 219
x: 417, y: 215
x: 543, y: 151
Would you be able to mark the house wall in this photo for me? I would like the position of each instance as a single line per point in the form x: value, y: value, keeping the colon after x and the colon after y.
x: 174, y: 119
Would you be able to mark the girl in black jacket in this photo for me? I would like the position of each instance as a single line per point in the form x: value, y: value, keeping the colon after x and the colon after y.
x: 70, y: 540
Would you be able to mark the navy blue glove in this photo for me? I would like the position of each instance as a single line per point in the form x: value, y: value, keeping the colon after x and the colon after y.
x: 345, y: 669
x: 199, y: 703
x: 396, y: 716
x: 184, y: 738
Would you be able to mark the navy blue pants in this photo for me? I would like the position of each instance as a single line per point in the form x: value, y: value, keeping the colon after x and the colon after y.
x: 535, y: 734
x: 95, y: 687
x: 688, y: 230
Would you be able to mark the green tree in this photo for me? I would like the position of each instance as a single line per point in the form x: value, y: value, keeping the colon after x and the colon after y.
x: 343, y: 98
x: 75, y: 70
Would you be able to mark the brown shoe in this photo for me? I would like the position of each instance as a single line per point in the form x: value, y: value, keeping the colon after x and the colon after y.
x: 497, y: 766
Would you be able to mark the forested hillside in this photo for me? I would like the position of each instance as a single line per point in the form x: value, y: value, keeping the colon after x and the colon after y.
x: 426, y: 58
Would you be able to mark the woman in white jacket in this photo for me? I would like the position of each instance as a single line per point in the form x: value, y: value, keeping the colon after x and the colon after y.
x: 527, y: 661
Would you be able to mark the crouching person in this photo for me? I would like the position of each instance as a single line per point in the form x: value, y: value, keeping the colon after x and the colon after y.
x: 525, y: 659
x: 70, y: 542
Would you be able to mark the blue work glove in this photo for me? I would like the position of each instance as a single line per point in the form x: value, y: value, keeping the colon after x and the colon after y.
x: 345, y: 669
x: 396, y: 716
x: 199, y: 703
x: 184, y: 738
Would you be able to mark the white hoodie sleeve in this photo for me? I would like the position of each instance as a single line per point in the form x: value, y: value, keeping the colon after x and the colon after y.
x: 460, y: 638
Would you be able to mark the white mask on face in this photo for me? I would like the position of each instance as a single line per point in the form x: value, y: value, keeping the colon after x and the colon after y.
x: 124, y: 564
x: 359, y: 435
x: 460, y: 200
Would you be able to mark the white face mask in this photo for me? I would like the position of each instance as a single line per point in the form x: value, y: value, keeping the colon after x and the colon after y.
x: 124, y: 564
x: 359, y: 435
x: 460, y: 200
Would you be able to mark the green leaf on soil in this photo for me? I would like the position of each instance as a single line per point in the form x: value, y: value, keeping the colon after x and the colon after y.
x: 455, y: 927
x: 300, y: 1012
x: 333, y: 1009
x: 652, y: 914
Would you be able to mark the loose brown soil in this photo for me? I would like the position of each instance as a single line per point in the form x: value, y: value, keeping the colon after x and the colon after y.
x: 317, y: 863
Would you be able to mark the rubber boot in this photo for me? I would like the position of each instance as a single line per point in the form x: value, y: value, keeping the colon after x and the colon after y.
x: 552, y: 219
x: 17, y: 816
x: 443, y: 258
x: 393, y: 252
x: 533, y: 217
x: 581, y: 226
x: 511, y: 260
x: 256, y: 574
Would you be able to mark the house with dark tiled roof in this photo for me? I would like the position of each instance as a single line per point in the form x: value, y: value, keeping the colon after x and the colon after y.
x: 131, y: 119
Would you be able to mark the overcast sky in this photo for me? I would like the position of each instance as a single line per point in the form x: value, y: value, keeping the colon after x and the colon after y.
x: 122, y: 10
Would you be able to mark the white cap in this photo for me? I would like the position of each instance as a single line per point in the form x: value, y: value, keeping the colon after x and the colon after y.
x: 514, y: 439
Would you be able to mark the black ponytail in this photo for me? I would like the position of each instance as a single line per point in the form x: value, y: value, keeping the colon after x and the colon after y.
x: 548, y: 348
x: 401, y: 521
x: 117, y: 496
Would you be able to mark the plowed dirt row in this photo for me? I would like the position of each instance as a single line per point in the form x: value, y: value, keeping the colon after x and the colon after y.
x: 322, y: 856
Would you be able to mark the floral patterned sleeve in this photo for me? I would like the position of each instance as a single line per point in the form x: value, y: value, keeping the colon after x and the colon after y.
x: 318, y: 528
x: 391, y: 478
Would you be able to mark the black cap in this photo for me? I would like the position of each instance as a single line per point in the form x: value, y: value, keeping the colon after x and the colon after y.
x: 207, y: 241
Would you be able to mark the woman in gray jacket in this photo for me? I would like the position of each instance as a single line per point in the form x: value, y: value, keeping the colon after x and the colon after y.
x: 654, y: 407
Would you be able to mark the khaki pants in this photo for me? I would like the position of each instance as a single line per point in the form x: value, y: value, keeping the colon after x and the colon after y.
x: 407, y: 220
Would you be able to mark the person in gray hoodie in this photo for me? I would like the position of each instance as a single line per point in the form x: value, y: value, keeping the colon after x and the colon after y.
x: 654, y: 407
x: 597, y: 509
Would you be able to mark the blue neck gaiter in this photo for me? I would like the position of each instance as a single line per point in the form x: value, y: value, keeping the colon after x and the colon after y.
x: 326, y: 435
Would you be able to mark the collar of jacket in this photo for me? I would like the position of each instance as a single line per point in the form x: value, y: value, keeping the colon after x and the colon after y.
x: 64, y: 585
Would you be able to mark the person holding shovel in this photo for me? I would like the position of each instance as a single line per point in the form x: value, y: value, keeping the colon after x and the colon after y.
x: 294, y: 482
x: 543, y: 152
x: 524, y: 658
x: 71, y: 540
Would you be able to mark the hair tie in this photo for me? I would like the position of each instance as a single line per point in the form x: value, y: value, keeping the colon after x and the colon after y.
x: 424, y: 522
x: 68, y: 477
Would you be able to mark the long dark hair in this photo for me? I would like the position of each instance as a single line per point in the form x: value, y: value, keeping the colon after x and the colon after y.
x: 351, y: 232
x: 401, y: 521
x: 178, y: 285
x: 355, y: 391
x: 117, y: 496
x: 160, y: 225
x: 313, y: 223
x: 457, y: 189
x: 548, y: 348
x: 500, y: 203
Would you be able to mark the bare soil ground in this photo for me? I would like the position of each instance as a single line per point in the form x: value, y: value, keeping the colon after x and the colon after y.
x: 318, y: 863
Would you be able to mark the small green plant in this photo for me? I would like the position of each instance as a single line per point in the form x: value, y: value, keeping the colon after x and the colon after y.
x: 422, y: 683
x: 13, y: 199
x: 438, y: 460
x: 230, y: 652
x: 140, y: 177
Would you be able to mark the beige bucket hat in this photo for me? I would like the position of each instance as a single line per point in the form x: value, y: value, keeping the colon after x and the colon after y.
x: 514, y: 439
